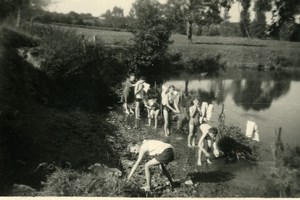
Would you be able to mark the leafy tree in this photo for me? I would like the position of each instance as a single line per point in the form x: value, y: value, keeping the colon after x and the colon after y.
x: 283, y: 18
x: 245, y: 18
x: 152, y: 36
x: 115, y: 18
x: 201, y: 12
x: 258, y: 26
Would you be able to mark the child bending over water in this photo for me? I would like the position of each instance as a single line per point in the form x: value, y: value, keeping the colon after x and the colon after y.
x: 207, y: 142
x: 153, y: 111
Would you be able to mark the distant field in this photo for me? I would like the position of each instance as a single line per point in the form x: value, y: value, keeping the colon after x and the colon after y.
x: 235, y: 51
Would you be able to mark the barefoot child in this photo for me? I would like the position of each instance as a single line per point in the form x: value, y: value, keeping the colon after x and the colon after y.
x: 162, y: 153
x: 153, y: 110
x: 206, y: 142
x: 195, y: 114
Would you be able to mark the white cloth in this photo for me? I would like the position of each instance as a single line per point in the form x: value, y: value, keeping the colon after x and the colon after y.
x: 154, y: 147
x: 146, y: 87
x: 252, y: 130
x: 209, y: 111
x: 204, y: 107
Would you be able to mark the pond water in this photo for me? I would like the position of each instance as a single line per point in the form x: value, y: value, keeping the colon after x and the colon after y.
x: 271, y: 99
x: 268, y: 98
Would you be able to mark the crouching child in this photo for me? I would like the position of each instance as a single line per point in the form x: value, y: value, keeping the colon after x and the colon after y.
x: 162, y: 153
x: 207, y: 142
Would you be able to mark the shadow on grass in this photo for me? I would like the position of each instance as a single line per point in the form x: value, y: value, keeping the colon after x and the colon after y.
x: 211, y: 177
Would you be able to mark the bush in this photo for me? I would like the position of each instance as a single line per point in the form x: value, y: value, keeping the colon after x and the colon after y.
x: 207, y: 63
x: 85, y: 71
x: 281, y: 62
x: 236, y: 145
x: 98, y: 181
x: 284, y: 176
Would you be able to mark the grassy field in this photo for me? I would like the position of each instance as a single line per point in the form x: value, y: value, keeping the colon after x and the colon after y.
x: 242, y: 52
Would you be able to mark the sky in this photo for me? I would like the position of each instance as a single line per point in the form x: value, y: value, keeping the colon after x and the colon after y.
x: 98, y: 7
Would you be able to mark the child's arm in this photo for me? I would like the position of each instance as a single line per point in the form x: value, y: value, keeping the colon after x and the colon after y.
x: 141, y: 154
x: 138, y: 87
x: 192, y: 111
x: 216, y: 150
x: 176, y: 101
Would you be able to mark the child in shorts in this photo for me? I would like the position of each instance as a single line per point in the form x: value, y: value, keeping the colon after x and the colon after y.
x: 153, y: 109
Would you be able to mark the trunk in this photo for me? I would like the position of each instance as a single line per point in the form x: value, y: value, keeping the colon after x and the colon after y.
x: 31, y: 20
x: 19, y: 14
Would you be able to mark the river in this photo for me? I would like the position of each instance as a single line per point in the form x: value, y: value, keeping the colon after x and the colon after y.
x: 269, y: 98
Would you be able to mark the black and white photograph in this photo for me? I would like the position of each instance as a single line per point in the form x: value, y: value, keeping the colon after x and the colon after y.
x: 150, y: 98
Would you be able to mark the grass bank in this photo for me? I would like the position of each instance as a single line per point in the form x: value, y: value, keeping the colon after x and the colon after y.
x: 236, y: 52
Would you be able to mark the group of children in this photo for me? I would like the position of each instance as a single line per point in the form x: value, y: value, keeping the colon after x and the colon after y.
x: 163, y: 153
x: 134, y: 95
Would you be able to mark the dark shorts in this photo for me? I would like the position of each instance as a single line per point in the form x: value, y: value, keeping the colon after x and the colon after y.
x: 166, y: 156
x: 138, y: 100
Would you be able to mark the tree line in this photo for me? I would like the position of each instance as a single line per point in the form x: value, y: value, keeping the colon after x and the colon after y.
x: 207, y: 17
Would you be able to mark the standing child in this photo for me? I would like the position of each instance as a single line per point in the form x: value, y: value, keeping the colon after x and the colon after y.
x: 128, y: 94
x: 169, y: 101
x: 195, y: 114
x: 153, y: 111
x: 139, y: 96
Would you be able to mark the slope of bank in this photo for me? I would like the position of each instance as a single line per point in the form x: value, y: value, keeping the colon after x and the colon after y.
x: 34, y: 129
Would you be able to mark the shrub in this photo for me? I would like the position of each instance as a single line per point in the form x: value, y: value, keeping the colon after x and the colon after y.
x: 284, y: 176
x: 236, y: 145
x: 207, y: 63
x: 98, y: 181
x: 281, y: 62
x: 85, y: 71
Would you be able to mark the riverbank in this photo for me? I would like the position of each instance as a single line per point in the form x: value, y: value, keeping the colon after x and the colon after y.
x: 66, y: 151
x: 235, y: 52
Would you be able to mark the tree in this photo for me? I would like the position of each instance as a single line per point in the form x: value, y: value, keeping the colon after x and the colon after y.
x: 283, y: 18
x: 201, y: 12
x: 152, y: 37
x: 115, y: 18
x: 245, y: 18
x: 117, y: 12
x: 258, y: 26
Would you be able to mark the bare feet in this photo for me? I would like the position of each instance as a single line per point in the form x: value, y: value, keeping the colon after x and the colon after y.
x: 208, y: 161
x: 199, y: 163
x: 146, y: 188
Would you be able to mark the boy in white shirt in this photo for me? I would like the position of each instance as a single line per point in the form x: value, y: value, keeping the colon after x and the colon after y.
x: 162, y: 152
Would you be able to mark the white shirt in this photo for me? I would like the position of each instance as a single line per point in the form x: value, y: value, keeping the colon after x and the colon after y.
x: 154, y: 147
x: 204, y: 128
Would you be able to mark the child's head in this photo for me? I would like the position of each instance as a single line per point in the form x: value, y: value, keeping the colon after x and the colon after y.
x: 142, y: 79
x: 171, y: 88
x: 132, y: 77
x: 151, y: 102
x: 213, y: 131
x: 195, y: 100
x: 134, y: 147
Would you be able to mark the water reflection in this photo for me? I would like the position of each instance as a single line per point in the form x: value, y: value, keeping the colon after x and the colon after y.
x: 254, y: 92
x: 258, y: 94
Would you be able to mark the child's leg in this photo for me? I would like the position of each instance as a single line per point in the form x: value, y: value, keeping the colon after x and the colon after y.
x: 199, y: 156
x: 166, y: 173
x: 155, y: 118
x: 191, y: 132
x: 147, y: 171
x: 137, y: 109
x: 166, y: 121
